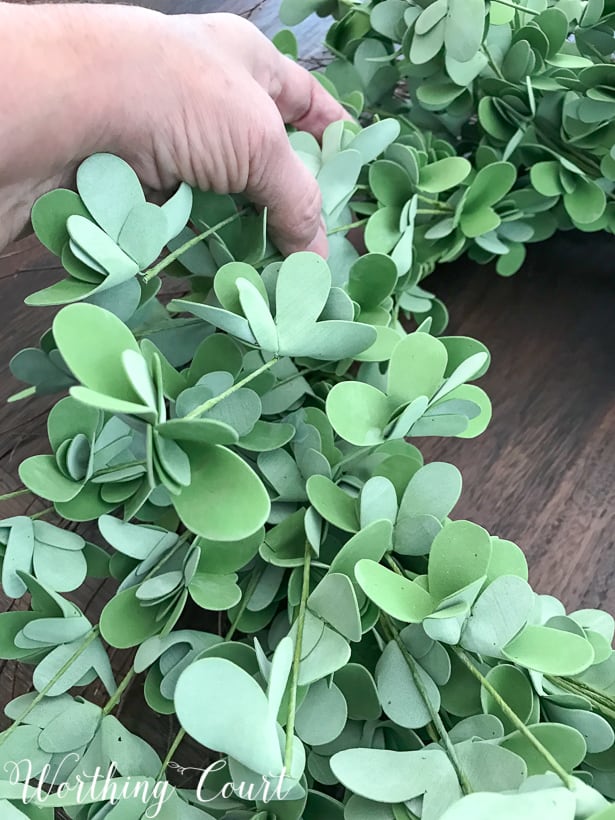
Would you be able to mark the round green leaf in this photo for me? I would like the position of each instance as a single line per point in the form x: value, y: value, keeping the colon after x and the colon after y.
x: 586, y: 203
x: 225, y: 501
x: 515, y: 689
x: 382, y: 231
x: 41, y: 475
x: 444, y: 174
x: 110, y: 190
x: 499, y: 614
x: 399, y: 694
x: 465, y: 26
x: 215, y: 592
x: 389, y: 183
x: 550, y: 651
x: 565, y: 744
x: 546, y: 804
x: 402, y: 599
x: 225, y: 284
x: 416, y: 368
x: 358, y: 412
x: 49, y: 216
x: 322, y: 715
x: 125, y: 623
x: 390, y: 777
x: 371, y: 279
x: 460, y: 555
x: 240, y: 702
x: 92, y: 341
x: 143, y: 234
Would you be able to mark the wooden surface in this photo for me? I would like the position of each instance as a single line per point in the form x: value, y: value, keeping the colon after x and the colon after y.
x: 542, y: 475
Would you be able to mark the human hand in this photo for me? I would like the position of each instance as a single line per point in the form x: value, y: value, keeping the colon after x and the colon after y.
x: 198, y: 98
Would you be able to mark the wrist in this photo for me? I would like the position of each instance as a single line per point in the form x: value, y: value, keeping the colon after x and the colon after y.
x: 108, y: 50
x: 72, y: 85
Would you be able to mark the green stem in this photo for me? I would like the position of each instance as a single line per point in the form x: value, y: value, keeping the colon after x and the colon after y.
x: 492, y: 63
x: 402, y: 812
x: 182, y: 540
x: 517, y: 7
x: 294, y: 681
x: 514, y: 718
x: 115, y: 699
x: 405, y: 573
x: 252, y: 584
x: 361, y: 453
x: 435, y: 715
x: 432, y: 211
x: 435, y: 202
x: 300, y: 374
x: 349, y: 227
x: 393, y: 564
x: 600, y: 702
x: 40, y: 514
x: 116, y: 467
x: 169, y: 757
x: 575, y: 155
x: 164, y: 263
x: 91, y: 637
x: 207, y: 405
x: 15, y: 494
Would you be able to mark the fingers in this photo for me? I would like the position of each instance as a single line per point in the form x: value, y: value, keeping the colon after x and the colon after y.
x: 301, y: 99
x: 279, y: 180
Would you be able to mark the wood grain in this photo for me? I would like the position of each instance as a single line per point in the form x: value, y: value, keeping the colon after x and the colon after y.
x: 542, y: 475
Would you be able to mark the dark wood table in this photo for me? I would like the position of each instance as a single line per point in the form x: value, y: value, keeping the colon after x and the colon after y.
x: 543, y: 474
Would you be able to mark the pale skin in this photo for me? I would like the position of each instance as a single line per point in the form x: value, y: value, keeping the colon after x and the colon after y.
x: 197, y: 98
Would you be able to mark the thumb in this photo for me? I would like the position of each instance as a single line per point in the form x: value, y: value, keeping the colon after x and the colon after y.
x: 279, y: 180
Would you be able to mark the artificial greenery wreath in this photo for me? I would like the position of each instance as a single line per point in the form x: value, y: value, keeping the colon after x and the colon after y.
x: 247, y: 446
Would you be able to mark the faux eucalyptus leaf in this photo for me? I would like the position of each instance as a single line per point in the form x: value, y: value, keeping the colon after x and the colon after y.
x: 238, y: 698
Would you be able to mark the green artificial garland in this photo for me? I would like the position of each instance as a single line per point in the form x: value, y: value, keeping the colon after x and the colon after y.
x: 247, y: 446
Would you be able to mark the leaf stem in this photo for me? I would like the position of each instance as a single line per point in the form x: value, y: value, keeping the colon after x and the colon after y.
x: 405, y: 573
x: 393, y: 564
x: 602, y: 703
x: 182, y: 540
x: 492, y: 63
x: 169, y: 756
x: 115, y: 699
x: 517, y: 7
x: 164, y: 263
x: 40, y: 514
x: 436, y: 203
x: 360, y: 452
x: 90, y: 638
x: 389, y: 628
x: 294, y: 681
x: 14, y: 494
x: 514, y: 718
x: 207, y: 405
x: 356, y: 224
x: 252, y: 584
x: 116, y: 467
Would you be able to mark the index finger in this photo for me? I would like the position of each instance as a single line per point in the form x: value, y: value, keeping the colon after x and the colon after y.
x: 301, y: 99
